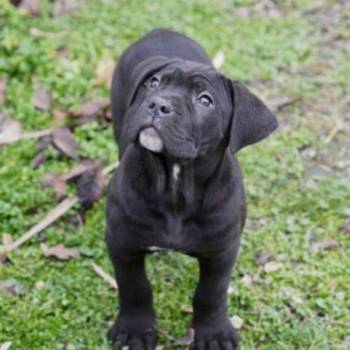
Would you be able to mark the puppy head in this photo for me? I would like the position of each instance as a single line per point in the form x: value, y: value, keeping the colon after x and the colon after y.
x: 185, y: 109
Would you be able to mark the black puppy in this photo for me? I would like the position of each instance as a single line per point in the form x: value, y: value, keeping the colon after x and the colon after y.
x: 178, y: 123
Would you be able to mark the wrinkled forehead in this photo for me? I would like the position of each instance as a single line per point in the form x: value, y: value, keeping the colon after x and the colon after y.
x: 193, y: 73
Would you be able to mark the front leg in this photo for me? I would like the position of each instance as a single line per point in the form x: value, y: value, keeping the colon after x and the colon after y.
x: 135, y: 325
x: 213, y: 328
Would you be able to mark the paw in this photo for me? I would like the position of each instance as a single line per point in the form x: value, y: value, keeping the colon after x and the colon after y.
x: 128, y: 337
x: 219, y: 336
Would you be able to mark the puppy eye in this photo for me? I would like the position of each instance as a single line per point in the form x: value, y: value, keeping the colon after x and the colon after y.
x: 154, y: 82
x: 205, y: 100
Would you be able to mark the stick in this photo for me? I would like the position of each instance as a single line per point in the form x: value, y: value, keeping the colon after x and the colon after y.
x: 104, y: 275
x: 6, y: 345
x: 29, y: 135
x: 52, y: 216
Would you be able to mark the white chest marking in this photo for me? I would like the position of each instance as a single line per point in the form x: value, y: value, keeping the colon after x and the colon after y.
x: 176, y: 172
x: 154, y: 248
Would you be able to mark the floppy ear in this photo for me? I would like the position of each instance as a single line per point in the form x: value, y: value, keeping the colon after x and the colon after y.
x: 251, y: 121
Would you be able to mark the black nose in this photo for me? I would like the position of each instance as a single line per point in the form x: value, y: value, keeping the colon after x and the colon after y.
x: 159, y: 106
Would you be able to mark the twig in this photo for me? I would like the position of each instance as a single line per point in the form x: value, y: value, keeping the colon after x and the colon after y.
x: 6, y: 345
x: 29, y: 135
x: 104, y: 275
x: 333, y: 132
x: 109, y: 168
x: 52, y: 216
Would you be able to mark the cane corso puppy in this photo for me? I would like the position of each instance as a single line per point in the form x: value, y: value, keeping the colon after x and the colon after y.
x: 178, y: 123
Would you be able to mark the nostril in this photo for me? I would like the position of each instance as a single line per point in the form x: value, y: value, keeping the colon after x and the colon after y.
x: 151, y: 105
x: 165, y: 109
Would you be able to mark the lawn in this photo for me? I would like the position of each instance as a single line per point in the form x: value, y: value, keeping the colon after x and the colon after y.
x: 291, y: 284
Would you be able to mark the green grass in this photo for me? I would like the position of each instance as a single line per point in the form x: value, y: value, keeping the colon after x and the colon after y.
x: 292, y: 201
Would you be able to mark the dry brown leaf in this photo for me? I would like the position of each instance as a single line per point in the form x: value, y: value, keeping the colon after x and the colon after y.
x: 59, y: 117
x: 10, y: 129
x: 3, y: 84
x: 38, y: 160
x: 237, y: 322
x: 58, y: 185
x: 32, y: 7
x: 63, y: 140
x: 262, y: 257
x: 104, y: 71
x: 60, y: 252
x: 90, y: 110
x: 63, y: 7
x: 187, y: 340
x: 42, y: 99
x: 272, y: 266
x: 90, y: 187
x: 327, y: 244
x: 58, y: 181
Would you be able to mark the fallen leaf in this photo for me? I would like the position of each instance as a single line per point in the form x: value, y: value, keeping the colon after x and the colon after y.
x: 262, y: 257
x: 58, y: 185
x: 6, y: 345
x: 58, y: 181
x: 63, y: 7
x: 327, y: 244
x: 90, y: 110
x: 12, y: 287
x: 60, y: 252
x: 38, y: 160
x: 63, y: 140
x: 90, y: 187
x: 3, y: 84
x: 32, y: 7
x: 237, y: 322
x: 187, y: 340
x: 59, y: 117
x: 104, y: 71
x: 42, y: 99
x: 219, y: 59
x: 10, y: 129
x: 272, y: 266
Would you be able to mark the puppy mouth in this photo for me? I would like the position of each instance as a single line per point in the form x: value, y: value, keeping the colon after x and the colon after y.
x: 149, y: 138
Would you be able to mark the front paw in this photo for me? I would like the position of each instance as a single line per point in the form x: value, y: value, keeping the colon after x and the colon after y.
x: 216, y: 336
x: 133, y: 334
